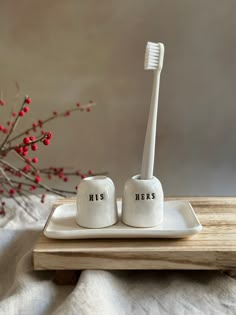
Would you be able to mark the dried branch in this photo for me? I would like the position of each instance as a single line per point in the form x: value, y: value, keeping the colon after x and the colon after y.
x: 19, y: 181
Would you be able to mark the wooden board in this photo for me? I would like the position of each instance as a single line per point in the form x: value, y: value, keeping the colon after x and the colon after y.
x: 213, y: 248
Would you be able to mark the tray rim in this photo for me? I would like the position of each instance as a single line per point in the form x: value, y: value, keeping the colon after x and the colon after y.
x: 105, y: 233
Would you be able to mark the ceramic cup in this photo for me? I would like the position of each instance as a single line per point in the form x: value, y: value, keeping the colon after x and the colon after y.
x: 96, y: 202
x: 142, y: 203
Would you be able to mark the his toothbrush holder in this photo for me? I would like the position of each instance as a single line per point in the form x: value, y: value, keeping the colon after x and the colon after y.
x: 142, y: 203
x: 96, y: 202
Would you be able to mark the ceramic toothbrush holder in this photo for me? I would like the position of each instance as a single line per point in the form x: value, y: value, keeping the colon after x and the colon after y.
x: 96, y: 202
x: 142, y: 203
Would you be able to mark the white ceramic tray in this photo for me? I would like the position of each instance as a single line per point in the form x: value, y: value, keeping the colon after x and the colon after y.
x: 179, y: 221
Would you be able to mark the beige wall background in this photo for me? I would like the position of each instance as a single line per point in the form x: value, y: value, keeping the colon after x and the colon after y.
x: 64, y: 51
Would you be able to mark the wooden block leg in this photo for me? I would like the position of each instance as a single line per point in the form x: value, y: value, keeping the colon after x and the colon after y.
x: 66, y: 277
x: 231, y: 273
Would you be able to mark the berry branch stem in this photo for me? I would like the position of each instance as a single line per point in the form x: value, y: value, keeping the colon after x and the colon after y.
x: 48, y: 171
x: 24, y: 179
x: 31, y: 178
x: 8, y: 180
x: 28, y: 162
x: 24, y: 208
x: 13, y: 126
x: 13, y: 147
x: 47, y: 120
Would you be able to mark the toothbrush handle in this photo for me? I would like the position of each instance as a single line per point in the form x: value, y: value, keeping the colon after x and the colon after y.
x: 150, y: 139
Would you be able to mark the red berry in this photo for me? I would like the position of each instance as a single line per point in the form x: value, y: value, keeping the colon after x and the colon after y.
x: 1, y: 128
x: 26, y: 140
x: 28, y: 160
x: 82, y: 176
x: 14, y: 114
x: 40, y: 122
x: 26, y: 168
x: 35, y: 160
x: 55, y: 113
x: 78, y: 104
x: 26, y: 109
x: 67, y: 113
x: 34, y: 147
x: 28, y: 100
x: 49, y: 135
x: 37, y: 179
x: 90, y: 172
x: 88, y: 109
x: 34, y: 125
x: 65, y: 179
x: 21, y: 113
x: 25, y: 148
x: 12, y: 191
x: 46, y: 141
x: 33, y: 187
x: 2, y: 102
x: 32, y: 138
x: 19, y: 150
x: 24, y: 153
x: 43, y: 198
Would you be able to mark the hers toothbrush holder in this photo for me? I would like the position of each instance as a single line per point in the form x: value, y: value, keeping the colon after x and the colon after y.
x: 142, y: 203
x: 96, y: 202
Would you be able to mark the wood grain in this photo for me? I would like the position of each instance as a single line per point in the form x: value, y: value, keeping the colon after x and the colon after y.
x: 213, y: 248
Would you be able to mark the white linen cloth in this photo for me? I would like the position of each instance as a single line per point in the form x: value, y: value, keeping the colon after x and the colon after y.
x: 24, y: 291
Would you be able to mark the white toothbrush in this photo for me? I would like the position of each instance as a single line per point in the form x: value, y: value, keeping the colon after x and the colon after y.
x: 154, y: 56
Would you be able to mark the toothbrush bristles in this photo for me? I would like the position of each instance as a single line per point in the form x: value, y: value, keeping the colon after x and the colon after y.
x: 153, y: 56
